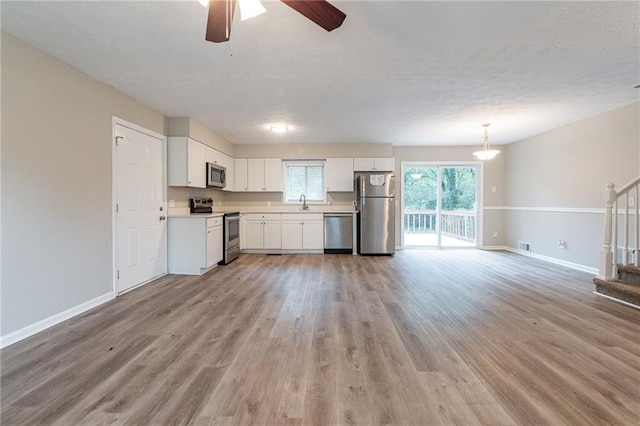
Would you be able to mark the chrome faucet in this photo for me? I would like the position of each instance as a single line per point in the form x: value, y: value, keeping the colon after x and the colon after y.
x: 303, y: 200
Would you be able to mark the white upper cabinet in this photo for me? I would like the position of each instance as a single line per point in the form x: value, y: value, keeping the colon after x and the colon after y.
x: 255, y: 175
x: 374, y: 164
x: 273, y: 174
x: 230, y: 166
x: 338, y: 174
x: 241, y: 175
x: 214, y: 156
x: 258, y: 175
x: 187, y: 160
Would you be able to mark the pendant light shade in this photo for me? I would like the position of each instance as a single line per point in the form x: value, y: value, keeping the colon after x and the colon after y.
x: 250, y: 8
x: 487, y: 153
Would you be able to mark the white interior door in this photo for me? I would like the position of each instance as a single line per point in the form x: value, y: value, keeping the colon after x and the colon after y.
x: 140, y: 219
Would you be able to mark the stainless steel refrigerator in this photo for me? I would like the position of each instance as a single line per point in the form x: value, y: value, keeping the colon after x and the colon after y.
x: 376, y: 217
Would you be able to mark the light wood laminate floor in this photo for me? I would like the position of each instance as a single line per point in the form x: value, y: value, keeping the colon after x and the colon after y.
x: 422, y: 338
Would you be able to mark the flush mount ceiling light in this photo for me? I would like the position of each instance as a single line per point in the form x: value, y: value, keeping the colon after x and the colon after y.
x: 487, y: 153
x: 279, y: 128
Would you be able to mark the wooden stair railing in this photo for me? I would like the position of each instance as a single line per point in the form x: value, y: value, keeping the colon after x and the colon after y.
x: 623, y: 202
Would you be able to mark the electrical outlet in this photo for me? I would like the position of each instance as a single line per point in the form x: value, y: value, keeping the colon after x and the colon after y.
x: 562, y: 244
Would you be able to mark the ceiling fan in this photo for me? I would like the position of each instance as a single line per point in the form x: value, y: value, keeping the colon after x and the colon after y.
x: 221, y: 15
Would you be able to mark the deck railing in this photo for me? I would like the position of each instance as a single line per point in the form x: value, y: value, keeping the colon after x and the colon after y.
x: 621, y: 226
x: 458, y: 224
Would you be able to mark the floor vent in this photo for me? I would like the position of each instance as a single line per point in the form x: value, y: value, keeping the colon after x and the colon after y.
x: 524, y: 246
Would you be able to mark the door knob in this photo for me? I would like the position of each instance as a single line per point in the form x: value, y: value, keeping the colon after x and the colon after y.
x: 163, y: 217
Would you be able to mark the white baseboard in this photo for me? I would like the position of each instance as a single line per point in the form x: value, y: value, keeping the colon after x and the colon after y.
x: 495, y: 248
x: 41, y: 325
x: 549, y: 259
x: 616, y: 300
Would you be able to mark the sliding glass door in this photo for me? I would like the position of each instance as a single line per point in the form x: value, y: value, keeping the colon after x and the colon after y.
x: 439, y: 205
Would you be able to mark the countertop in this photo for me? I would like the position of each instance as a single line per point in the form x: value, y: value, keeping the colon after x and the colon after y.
x: 219, y: 211
x: 194, y: 215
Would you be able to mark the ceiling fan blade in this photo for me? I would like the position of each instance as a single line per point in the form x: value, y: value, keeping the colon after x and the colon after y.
x: 220, y: 19
x: 319, y: 11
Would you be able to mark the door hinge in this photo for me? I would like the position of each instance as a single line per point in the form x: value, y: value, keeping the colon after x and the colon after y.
x: 118, y: 274
x: 117, y: 208
x: 118, y: 139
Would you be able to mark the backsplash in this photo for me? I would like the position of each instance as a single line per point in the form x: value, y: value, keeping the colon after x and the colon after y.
x: 178, y: 197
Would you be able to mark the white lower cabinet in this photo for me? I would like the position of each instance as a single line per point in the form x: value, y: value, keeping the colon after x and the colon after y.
x: 195, y: 244
x: 284, y: 231
x: 313, y: 235
x: 214, y: 245
x: 291, y: 234
x: 302, y: 231
x: 263, y: 231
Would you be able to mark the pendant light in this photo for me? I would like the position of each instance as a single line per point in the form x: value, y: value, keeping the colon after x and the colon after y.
x: 487, y: 153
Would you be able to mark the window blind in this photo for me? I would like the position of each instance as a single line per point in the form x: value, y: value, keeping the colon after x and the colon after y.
x: 305, y: 177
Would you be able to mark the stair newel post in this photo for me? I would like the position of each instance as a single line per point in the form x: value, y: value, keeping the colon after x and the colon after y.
x: 637, y: 247
x: 606, y: 256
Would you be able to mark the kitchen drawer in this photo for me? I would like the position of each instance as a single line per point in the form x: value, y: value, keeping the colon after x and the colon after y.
x: 214, y: 221
x: 264, y: 216
x: 302, y: 216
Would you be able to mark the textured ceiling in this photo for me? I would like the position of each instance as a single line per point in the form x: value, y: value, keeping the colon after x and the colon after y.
x: 401, y: 72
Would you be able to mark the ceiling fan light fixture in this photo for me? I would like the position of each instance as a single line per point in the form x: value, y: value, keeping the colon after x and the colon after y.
x: 279, y: 128
x: 487, y: 153
x: 250, y: 8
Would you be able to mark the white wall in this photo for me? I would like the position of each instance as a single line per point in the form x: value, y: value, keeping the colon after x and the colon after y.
x: 56, y: 184
x: 555, y: 183
x: 314, y: 150
x: 184, y: 126
x: 56, y: 181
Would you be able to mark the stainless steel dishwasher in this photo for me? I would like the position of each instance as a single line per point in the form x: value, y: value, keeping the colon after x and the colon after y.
x: 338, y: 232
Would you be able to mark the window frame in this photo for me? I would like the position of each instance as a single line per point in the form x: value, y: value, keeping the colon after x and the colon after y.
x: 285, y: 179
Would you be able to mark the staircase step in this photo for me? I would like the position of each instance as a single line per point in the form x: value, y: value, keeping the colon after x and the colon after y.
x: 629, y: 274
x: 626, y: 292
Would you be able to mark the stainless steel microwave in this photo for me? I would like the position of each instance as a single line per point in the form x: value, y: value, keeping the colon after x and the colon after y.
x: 216, y: 176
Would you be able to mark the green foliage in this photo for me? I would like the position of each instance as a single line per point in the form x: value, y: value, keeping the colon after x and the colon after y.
x: 458, y: 188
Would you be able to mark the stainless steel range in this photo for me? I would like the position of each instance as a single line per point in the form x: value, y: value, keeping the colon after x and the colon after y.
x: 231, y: 237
